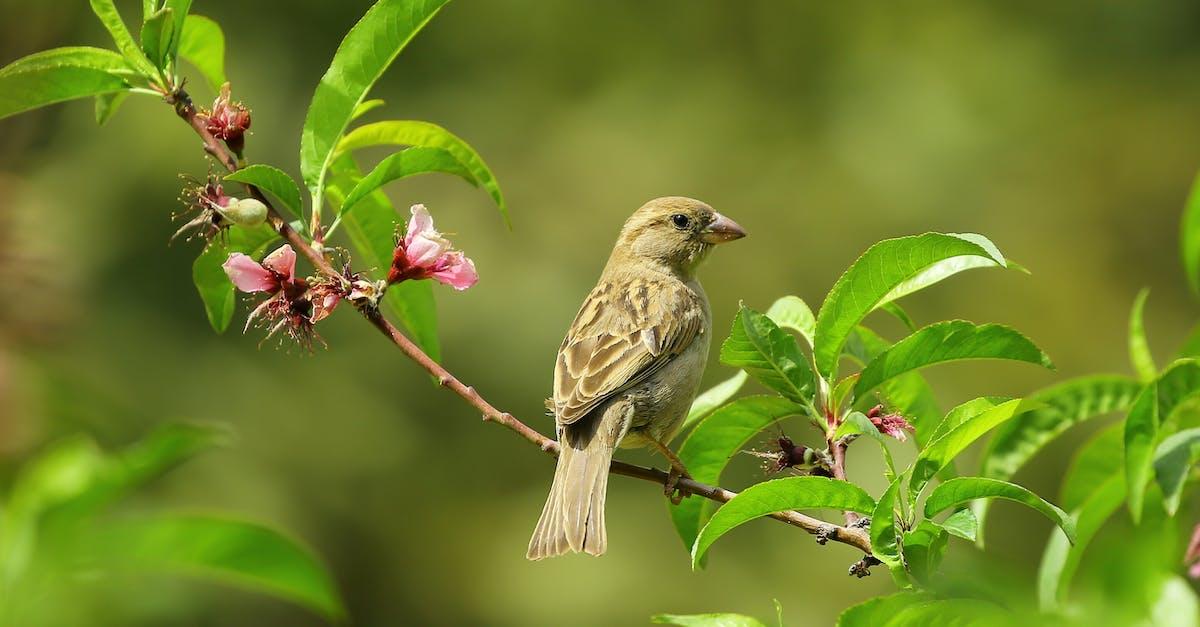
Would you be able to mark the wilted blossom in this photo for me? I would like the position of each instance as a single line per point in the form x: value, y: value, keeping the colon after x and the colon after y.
x: 787, y: 454
x: 228, y: 120
x: 424, y: 254
x: 214, y: 210
x: 203, y: 199
x: 893, y: 425
x: 291, y: 305
x: 1192, y: 557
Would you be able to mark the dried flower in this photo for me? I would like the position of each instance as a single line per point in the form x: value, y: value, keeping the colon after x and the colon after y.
x: 787, y: 454
x: 228, y: 120
x: 424, y: 254
x: 290, y: 304
x: 214, y: 210
x: 893, y: 425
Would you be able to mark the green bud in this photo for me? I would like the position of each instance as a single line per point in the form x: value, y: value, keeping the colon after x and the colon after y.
x: 244, y: 211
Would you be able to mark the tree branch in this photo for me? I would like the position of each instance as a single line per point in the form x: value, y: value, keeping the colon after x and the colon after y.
x: 186, y: 110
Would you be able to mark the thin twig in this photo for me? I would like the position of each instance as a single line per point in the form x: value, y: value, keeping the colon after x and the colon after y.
x: 186, y: 110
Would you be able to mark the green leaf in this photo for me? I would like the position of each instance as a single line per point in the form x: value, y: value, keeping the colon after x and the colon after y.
x: 366, y: 52
x: 791, y: 312
x: 273, y: 180
x: 707, y: 620
x: 405, y: 163
x: 1144, y: 422
x: 203, y: 45
x: 965, y: 489
x: 780, y: 495
x: 713, y: 398
x: 1139, y: 348
x: 942, y: 450
x: 1061, y: 558
x: 897, y: 312
x: 63, y: 472
x: 428, y: 135
x: 215, y: 289
x: 111, y: 18
x: 908, y: 394
x: 710, y: 446
x: 1174, y: 458
x: 949, y: 341
x: 878, y: 611
x: 953, y: 613
x: 366, y: 107
x: 963, y: 524
x: 371, y: 228
x: 222, y: 550
x: 157, y: 32
x: 107, y: 105
x: 964, y: 412
x: 769, y: 354
x: 180, y: 9
x: 885, y: 534
x: 58, y: 75
x: 888, y: 270
x: 923, y: 549
x: 1189, y: 238
x: 857, y: 423
x: 788, y: 312
x: 1065, y: 405
x: 73, y: 478
x: 1099, y: 458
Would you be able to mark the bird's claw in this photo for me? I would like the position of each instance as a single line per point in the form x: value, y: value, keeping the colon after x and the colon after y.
x: 671, y: 486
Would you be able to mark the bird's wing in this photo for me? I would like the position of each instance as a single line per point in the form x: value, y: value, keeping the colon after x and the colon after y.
x: 623, y: 333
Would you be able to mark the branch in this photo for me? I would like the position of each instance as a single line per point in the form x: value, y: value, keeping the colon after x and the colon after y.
x: 185, y: 109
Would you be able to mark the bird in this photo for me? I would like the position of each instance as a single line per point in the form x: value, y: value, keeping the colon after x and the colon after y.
x: 630, y: 365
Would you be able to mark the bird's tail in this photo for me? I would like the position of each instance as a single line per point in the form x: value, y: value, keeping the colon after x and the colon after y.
x: 573, y: 517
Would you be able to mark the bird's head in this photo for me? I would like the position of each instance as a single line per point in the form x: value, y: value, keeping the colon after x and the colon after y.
x: 675, y: 232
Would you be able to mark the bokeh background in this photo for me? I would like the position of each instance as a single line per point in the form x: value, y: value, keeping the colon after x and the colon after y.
x: 1063, y: 131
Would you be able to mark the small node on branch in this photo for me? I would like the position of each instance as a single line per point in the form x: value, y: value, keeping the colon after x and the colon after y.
x: 862, y: 568
x: 444, y: 380
x: 826, y: 533
x: 487, y: 418
x: 862, y: 523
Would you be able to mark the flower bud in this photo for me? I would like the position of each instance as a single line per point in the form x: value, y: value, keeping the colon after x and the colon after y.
x: 244, y: 211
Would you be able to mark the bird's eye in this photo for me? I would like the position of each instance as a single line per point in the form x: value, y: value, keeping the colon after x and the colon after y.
x: 681, y: 221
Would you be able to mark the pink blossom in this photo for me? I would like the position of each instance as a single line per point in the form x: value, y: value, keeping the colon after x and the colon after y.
x: 424, y: 253
x: 276, y: 270
x: 291, y: 304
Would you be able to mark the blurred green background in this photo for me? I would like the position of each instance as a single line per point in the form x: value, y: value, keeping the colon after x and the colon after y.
x: 1061, y: 130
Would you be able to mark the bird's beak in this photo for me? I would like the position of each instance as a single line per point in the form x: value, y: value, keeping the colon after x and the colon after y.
x: 722, y: 230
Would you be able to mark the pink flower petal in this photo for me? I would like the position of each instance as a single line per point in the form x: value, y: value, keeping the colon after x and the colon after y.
x: 282, y: 262
x: 420, y: 223
x: 248, y: 275
x: 456, y: 270
x: 425, y: 249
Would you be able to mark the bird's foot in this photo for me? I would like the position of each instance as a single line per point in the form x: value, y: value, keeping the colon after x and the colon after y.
x: 671, y: 486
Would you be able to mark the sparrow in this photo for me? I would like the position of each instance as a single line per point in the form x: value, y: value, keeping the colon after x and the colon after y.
x: 630, y: 365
